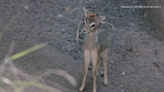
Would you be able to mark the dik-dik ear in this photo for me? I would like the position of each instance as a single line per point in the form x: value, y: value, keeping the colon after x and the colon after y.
x: 101, y: 19
x: 86, y: 12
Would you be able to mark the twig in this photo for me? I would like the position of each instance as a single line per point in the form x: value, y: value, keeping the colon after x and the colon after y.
x: 77, y: 33
x: 11, y: 48
x: 62, y: 73
x: 2, y: 90
x: 82, y: 31
x: 7, y: 59
x: 106, y: 5
x: 108, y: 24
x: 7, y: 81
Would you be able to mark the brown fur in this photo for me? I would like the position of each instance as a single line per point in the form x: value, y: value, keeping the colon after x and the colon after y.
x: 92, y: 15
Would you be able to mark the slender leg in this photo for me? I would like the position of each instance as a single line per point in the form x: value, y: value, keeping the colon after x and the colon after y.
x: 99, y: 63
x: 94, y: 62
x: 105, y: 72
x: 87, y: 61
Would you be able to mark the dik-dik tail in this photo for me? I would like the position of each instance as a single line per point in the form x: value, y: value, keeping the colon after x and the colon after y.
x: 97, y: 47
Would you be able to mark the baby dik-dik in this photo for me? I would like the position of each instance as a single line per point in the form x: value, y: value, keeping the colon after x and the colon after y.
x: 97, y: 47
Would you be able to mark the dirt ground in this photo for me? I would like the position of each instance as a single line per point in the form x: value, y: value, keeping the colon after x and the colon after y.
x: 136, y: 63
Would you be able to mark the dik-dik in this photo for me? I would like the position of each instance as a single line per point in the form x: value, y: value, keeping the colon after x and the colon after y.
x: 97, y: 47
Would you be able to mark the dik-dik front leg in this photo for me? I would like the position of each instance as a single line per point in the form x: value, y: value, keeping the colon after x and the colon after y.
x: 87, y: 58
x: 94, y: 63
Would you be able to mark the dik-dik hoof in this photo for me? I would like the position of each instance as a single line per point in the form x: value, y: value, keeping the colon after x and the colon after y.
x: 105, y: 83
x: 94, y: 89
x: 81, y: 89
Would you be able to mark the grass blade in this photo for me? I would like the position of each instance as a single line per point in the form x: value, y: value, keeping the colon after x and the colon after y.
x: 8, y: 25
x: 25, y: 52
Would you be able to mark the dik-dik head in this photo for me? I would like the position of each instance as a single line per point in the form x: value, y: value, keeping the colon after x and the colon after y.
x: 91, y: 21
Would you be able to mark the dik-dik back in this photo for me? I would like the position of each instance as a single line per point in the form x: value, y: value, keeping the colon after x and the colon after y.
x: 97, y: 47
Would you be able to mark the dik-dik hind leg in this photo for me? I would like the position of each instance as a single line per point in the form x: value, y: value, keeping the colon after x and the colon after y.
x: 87, y: 61
x: 105, y: 60
x: 105, y: 72
x: 98, y: 66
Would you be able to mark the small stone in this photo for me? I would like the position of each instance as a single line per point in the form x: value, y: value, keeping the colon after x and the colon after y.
x: 121, y: 15
x: 129, y: 49
x: 102, y: 72
x: 93, y: 7
x: 155, y: 51
x: 67, y: 9
x: 102, y: 75
x: 59, y: 15
x: 156, y: 64
x: 138, y: 54
x: 123, y: 73
x: 159, y: 43
x: 106, y: 26
x: 90, y: 68
x: 26, y: 7
x: 122, y: 90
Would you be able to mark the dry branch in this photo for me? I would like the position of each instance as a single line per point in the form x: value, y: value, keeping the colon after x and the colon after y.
x: 77, y: 33
x: 82, y: 31
x: 62, y: 73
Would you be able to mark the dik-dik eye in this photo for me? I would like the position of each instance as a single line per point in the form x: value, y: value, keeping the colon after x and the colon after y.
x: 92, y: 25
